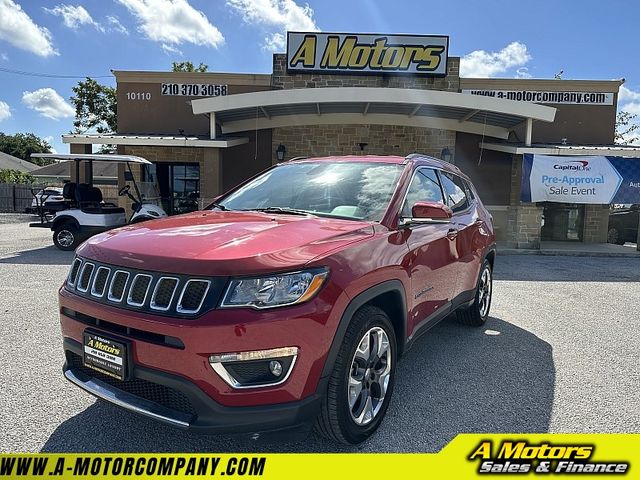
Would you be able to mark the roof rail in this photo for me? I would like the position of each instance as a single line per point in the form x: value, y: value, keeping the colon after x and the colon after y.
x: 412, y: 156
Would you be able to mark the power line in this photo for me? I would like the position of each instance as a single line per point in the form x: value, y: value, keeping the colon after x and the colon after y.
x: 49, y: 75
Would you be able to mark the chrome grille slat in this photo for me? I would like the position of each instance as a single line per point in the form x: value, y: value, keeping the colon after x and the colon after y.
x: 164, y: 291
x: 117, y: 276
x: 134, y: 289
x: 185, y: 290
x: 73, y: 273
x: 100, y: 281
x: 85, y: 277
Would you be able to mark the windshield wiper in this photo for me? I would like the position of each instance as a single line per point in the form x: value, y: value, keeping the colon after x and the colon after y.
x: 220, y: 207
x: 283, y: 210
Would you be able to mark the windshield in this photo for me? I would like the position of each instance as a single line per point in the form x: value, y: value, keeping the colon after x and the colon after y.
x: 353, y: 190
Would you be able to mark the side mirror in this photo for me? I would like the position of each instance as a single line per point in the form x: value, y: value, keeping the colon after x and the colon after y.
x: 432, y: 210
x: 428, y: 212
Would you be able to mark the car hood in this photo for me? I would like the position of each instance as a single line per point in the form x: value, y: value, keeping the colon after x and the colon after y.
x: 224, y: 243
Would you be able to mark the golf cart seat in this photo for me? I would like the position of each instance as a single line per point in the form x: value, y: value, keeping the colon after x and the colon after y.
x: 68, y: 199
x: 89, y: 200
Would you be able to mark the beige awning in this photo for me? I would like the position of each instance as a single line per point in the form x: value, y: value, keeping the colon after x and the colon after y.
x: 370, y: 105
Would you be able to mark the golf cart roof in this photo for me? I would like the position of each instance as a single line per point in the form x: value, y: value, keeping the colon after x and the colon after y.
x: 92, y: 156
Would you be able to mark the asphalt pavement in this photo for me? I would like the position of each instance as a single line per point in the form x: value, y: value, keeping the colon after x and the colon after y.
x: 559, y: 354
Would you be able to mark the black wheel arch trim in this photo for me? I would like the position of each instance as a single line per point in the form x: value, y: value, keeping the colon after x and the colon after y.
x: 65, y: 219
x: 389, y: 286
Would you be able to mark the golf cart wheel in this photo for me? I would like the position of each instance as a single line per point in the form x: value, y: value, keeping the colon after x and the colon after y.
x: 362, y: 380
x: 66, y: 237
x: 613, y: 236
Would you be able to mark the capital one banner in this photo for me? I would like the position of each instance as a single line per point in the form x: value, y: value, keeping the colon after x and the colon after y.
x: 580, y: 179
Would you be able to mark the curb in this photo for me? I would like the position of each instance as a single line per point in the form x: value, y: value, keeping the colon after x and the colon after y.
x: 567, y: 253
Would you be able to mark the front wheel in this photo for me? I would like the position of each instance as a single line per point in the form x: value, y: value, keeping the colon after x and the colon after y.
x: 66, y: 237
x: 362, y: 380
x: 478, y: 312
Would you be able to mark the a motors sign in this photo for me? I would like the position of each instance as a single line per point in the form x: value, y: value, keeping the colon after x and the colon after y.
x: 367, y: 53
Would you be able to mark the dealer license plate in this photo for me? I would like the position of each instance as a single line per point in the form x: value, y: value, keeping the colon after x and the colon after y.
x: 105, y: 355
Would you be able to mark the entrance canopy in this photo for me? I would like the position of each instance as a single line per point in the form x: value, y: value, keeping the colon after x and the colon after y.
x: 151, y: 140
x: 560, y: 149
x: 370, y: 105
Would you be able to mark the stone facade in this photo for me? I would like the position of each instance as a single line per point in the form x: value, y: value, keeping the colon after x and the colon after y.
x: 322, y: 140
x: 524, y: 220
x: 283, y: 80
x: 596, y: 223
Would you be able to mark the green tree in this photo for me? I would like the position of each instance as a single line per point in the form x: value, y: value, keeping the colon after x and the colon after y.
x: 15, y: 176
x: 188, y: 67
x: 22, y: 145
x: 627, y: 130
x: 96, y: 107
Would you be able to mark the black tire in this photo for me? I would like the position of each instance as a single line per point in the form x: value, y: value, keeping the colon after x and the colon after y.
x: 614, y: 236
x: 335, y: 420
x: 477, y: 313
x: 66, y: 237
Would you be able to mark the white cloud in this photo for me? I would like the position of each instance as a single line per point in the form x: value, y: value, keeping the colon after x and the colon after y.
x: 627, y: 95
x: 114, y: 25
x: 73, y: 17
x: 633, y: 108
x: 281, y: 15
x: 480, y: 63
x: 17, y: 28
x: 48, y: 103
x: 169, y: 50
x: 523, y: 72
x: 5, y: 111
x: 4, y: 57
x: 173, y: 22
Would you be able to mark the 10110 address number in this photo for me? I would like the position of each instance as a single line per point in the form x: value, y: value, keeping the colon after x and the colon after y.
x: 194, y: 89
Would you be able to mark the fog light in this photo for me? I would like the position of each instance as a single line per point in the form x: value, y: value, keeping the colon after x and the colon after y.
x: 275, y: 367
x: 259, y: 368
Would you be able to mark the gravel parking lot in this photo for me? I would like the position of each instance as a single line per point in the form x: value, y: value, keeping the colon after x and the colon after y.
x: 560, y: 354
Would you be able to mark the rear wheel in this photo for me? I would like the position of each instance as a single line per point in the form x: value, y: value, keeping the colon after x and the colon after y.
x: 362, y: 380
x: 66, y: 237
x: 613, y: 236
x: 477, y: 314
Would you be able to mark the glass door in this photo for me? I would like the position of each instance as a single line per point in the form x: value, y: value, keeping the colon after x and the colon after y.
x: 178, y: 184
x: 562, y: 222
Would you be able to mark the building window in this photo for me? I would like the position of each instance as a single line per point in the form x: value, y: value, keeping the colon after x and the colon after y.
x: 177, y: 183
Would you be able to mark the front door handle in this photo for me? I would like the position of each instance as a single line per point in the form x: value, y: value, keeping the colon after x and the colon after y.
x: 452, y: 234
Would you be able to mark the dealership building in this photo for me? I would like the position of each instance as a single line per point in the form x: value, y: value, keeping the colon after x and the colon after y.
x: 360, y: 94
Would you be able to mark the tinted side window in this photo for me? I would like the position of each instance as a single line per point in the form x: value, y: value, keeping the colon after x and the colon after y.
x: 472, y: 196
x: 424, y: 187
x: 455, y: 190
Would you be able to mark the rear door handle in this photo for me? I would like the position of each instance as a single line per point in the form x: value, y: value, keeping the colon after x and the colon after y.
x: 452, y: 234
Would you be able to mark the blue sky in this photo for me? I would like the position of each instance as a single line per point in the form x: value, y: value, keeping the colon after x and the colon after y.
x: 587, y: 39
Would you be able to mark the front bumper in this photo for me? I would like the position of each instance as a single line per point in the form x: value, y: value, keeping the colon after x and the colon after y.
x: 175, y: 401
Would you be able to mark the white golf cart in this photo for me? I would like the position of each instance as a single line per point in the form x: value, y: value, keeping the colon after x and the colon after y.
x: 83, y: 213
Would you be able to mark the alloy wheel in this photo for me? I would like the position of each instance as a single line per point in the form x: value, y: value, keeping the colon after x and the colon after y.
x: 612, y: 235
x: 484, y: 292
x: 369, y: 376
x: 65, y: 238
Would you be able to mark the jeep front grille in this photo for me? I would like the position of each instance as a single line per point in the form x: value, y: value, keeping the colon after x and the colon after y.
x: 175, y: 295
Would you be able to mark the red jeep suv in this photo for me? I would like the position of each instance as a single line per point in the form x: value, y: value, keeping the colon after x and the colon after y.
x: 287, y: 302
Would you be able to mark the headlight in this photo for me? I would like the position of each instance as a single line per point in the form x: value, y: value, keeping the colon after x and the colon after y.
x: 274, y: 290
